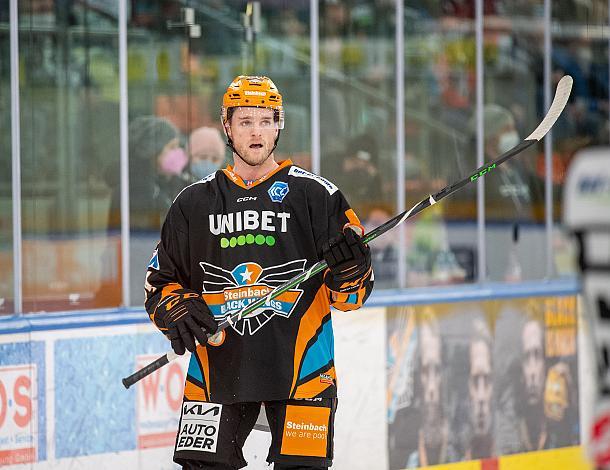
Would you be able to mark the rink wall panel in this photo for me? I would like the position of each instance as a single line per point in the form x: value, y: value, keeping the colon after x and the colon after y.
x: 62, y: 404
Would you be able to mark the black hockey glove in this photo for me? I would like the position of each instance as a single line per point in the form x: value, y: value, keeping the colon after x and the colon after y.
x: 349, y: 262
x: 183, y: 315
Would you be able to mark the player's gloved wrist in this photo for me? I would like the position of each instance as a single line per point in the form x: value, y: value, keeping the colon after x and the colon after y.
x: 183, y: 316
x: 349, y: 262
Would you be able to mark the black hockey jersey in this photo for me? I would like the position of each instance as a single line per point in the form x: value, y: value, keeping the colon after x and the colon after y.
x: 234, y: 242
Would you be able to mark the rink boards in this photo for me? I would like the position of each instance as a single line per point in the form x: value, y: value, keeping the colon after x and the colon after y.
x: 62, y: 404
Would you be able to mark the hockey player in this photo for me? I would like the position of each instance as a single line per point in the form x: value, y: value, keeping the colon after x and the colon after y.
x: 229, y: 239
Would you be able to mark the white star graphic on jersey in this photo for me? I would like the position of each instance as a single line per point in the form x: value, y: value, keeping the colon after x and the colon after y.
x: 246, y: 275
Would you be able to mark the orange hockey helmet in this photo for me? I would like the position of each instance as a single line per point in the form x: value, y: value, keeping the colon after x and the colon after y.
x: 253, y: 91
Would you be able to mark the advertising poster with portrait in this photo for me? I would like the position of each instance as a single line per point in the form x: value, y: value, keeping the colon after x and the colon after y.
x: 478, y: 380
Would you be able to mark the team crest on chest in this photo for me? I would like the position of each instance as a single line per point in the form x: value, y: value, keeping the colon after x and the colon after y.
x: 227, y: 292
x: 278, y: 190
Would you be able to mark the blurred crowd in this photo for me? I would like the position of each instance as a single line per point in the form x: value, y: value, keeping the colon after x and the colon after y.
x: 161, y: 164
x: 70, y: 107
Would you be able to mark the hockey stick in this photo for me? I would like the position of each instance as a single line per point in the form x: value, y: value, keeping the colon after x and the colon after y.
x: 562, y: 93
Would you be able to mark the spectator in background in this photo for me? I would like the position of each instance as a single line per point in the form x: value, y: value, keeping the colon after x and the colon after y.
x: 530, y: 409
x: 511, y: 191
x: 507, y: 191
x: 480, y: 388
x: 156, y: 176
x: 384, y: 250
x: 334, y: 19
x: 156, y: 164
x: 206, y: 151
x: 358, y: 173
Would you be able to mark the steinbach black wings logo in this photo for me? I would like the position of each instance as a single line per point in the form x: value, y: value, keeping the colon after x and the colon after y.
x: 227, y: 292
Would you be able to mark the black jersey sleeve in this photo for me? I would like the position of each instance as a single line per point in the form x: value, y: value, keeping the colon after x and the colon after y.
x: 331, y: 215
x: 169, y: 267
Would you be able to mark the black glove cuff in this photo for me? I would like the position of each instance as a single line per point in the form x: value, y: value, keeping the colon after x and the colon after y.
x: 351, y: 284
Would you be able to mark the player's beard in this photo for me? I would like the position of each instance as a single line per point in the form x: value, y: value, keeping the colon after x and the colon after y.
x: 252, y: 157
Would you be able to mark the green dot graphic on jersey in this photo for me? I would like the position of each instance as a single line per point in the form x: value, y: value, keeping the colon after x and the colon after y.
x: 249, y: 239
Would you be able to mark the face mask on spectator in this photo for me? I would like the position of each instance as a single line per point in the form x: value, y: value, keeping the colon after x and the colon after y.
x: 507, y: 141
x: 202, y: 168
x: 173, y: 161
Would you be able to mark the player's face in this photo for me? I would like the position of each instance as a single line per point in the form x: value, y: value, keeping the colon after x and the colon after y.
x: 253, y: 132
x: 480, y: 387
x: 533, y: 362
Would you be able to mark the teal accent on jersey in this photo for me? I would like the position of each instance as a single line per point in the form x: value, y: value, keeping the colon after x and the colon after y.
x: 203, y: 240
x: 194, y: 369
x: 319, y: 353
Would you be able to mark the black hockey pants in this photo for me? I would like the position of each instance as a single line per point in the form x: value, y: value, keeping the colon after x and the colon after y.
x: 220, y: 466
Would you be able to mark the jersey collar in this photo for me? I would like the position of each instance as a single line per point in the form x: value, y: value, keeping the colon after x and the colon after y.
x: 240, y: 182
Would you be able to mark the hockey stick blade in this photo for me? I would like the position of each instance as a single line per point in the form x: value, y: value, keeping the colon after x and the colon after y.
x: 562, y: 94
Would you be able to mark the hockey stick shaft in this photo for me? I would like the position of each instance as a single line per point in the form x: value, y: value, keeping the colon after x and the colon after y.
x: 562, y: 94
x: 149, y: 369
